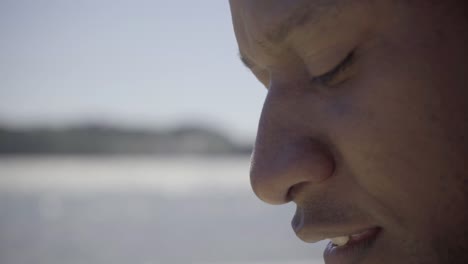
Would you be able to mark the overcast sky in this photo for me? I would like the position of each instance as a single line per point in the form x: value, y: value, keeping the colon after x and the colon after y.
x: 148, y: 63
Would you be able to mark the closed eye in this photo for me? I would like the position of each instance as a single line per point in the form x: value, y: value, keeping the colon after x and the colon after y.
x: 330, y: 78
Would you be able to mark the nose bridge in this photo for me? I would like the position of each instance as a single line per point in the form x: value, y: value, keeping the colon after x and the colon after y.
x: 286, y: 152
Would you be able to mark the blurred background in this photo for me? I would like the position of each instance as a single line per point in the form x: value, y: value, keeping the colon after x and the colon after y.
x: 125, y: 134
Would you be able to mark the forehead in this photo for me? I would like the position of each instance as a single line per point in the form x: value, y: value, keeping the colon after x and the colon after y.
x: 266, y: 24
x: 261, y: 17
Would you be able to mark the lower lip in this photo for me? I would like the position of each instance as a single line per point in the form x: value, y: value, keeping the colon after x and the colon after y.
x: 352, y: 252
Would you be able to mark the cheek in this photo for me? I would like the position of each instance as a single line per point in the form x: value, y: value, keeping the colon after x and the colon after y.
x: 388, y: 137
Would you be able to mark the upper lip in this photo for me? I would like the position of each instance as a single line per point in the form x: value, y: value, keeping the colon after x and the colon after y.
x: 315, y: 220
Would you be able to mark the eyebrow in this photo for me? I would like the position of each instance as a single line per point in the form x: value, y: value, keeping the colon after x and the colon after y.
x: 311, y: 12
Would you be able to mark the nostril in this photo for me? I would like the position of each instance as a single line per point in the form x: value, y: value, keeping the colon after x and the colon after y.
x: 277, y: 177
x: 294, y: 190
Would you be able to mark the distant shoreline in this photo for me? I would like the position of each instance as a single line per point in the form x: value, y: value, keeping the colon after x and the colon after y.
x: 106, y: 140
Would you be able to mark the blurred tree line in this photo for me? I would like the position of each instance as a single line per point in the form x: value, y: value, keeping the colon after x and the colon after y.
x: 92, y: 139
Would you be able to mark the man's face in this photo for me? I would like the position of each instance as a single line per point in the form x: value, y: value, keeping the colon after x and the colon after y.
x: 365, y: 123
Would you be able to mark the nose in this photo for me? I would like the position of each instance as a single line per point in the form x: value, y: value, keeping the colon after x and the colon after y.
x: 286, y: 153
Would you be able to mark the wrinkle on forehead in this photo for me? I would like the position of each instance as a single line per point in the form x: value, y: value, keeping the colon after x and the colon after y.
x: 299, y: 16
x: 271, y: 21
x: 265, y: 25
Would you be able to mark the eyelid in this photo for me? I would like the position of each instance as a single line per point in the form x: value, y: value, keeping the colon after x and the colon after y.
x: 328, y: 76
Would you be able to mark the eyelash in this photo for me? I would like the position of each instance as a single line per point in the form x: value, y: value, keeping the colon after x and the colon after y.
x: 326, y: 78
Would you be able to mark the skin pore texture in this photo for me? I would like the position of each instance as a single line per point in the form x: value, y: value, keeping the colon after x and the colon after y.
x: 365, y: 121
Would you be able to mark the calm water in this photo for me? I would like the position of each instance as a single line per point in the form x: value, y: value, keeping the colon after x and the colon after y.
x: 140, y: 210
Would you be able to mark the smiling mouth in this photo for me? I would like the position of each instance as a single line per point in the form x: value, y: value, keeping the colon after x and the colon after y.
x: 352, y: 235
x: 353, y: 238
x: 350, y: 248
x: 345, y: 247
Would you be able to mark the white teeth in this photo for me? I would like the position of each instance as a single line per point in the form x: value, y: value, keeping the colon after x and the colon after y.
x: 340, y: 241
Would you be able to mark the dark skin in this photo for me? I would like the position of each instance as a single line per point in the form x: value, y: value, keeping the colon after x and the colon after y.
x: 365, y: 121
